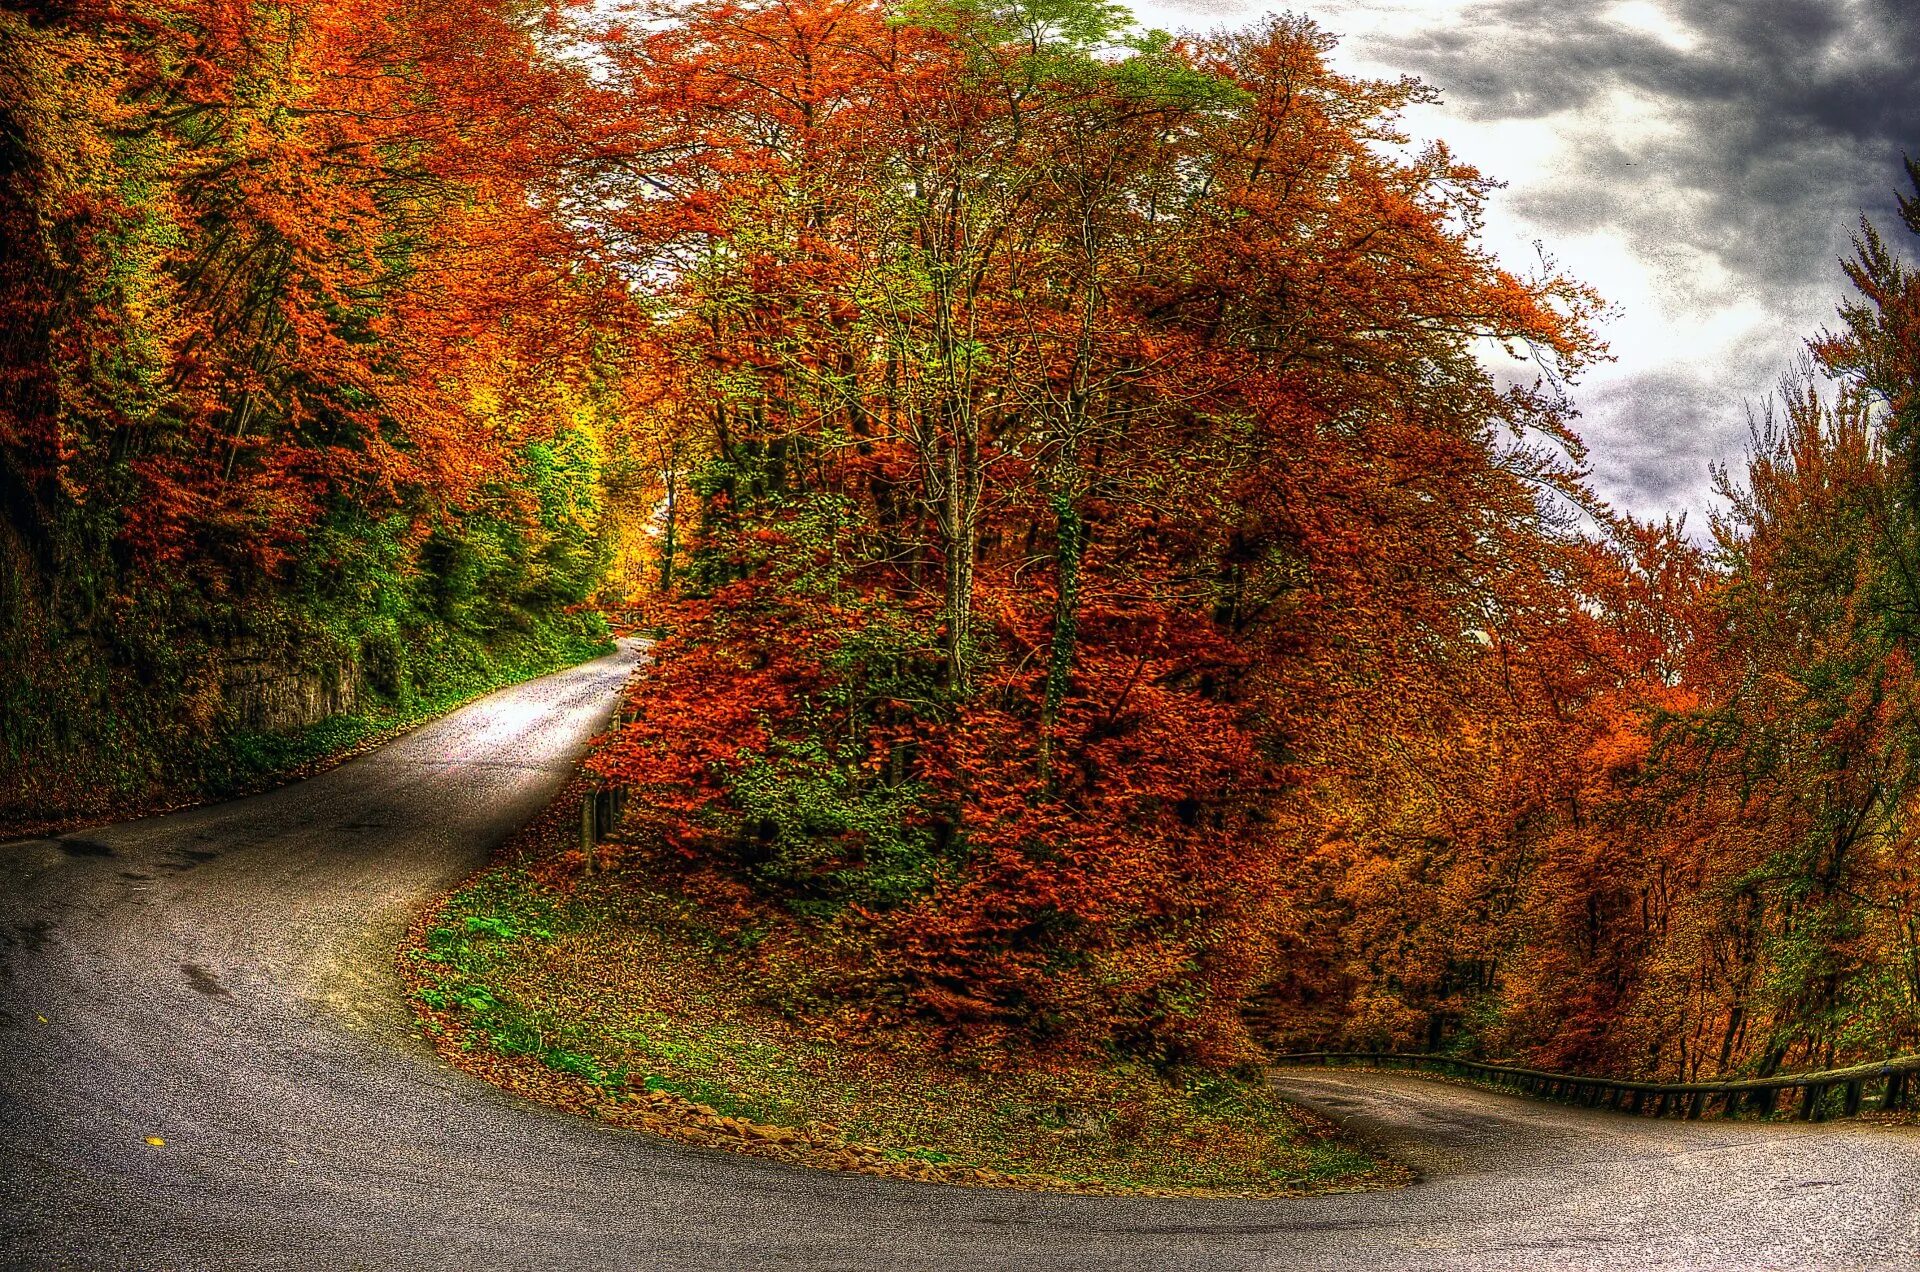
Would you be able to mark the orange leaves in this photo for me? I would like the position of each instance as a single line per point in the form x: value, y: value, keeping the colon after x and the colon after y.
x: 317, y: 262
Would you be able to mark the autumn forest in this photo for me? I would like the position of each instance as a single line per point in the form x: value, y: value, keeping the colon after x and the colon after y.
x: 1118, y: 548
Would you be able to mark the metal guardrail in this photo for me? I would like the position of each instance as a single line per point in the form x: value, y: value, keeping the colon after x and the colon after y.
x: 1892, y: 1084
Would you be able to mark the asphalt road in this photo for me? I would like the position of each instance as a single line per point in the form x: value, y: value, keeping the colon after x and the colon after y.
x: 220, y: 979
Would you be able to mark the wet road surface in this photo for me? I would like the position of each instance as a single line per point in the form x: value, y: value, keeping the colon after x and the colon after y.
x: 220, y: 979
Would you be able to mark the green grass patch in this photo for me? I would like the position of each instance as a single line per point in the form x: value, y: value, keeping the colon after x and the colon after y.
x: 615, y: 983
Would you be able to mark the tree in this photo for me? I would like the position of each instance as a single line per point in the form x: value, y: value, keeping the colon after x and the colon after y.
x: 300, y: 356
x: 1096, y: 431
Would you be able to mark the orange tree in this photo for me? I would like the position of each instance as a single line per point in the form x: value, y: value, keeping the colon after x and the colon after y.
x: 1665, y: 826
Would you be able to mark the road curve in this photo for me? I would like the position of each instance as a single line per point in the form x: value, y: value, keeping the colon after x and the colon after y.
x: 220, y: 980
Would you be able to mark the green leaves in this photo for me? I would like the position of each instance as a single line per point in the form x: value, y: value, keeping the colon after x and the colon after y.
x: 827, y: 828
x: 1047, y: 28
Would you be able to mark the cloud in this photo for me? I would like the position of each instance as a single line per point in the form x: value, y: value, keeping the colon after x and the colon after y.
x: 1796, y: 105
x: 1713, y: 157
x: 1701, y: 162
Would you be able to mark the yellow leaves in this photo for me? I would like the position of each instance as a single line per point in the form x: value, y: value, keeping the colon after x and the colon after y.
x: 156, y: 1141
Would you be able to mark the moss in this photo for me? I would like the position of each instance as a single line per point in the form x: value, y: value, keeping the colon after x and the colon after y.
x: 244, y: 761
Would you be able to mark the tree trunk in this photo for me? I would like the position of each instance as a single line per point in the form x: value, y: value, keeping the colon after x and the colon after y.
x: 669, y: 540
x: 1070, y: 538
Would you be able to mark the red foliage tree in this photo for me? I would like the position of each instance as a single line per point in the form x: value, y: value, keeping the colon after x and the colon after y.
x: 1095, y: 438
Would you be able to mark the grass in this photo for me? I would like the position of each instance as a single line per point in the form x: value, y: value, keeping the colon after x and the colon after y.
x: 607, y: 995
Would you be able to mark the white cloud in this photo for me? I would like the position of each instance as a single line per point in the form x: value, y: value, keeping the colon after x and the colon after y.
x: 1652, y: 19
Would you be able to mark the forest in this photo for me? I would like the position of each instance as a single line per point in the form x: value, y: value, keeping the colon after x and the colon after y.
x: 1120, y: 546
x: 303, y: 405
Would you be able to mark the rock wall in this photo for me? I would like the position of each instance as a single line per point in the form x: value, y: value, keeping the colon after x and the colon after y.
x: 267, y: 694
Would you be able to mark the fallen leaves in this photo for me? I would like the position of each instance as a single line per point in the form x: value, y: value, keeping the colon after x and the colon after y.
x: 663, y: 1031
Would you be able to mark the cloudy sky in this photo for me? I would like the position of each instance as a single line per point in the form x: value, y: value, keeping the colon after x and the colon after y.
x: 1701, y: 162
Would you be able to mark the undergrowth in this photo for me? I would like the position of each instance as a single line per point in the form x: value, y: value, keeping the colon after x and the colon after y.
x: 243, y: 761
x: 142, y: 776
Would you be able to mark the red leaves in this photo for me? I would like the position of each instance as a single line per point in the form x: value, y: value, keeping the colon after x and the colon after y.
x: 308, y: 261
x: 1102, y: 480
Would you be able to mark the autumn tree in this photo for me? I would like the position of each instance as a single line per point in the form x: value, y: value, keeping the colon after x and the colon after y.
x: 1081, y: 400
x: 302, y: 359
x: 1679, y: 844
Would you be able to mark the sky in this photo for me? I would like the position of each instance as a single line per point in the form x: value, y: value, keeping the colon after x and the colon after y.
x: 1702, y: 163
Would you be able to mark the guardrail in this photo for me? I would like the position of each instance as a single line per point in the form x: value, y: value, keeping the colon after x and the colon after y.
x: 1891, y: 1084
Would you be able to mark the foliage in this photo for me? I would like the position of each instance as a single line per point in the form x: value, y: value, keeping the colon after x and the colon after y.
x: 1118, y: 587
x: 297, y: 374
x: 1092, y: 434
x: 608, y: 994
x: 1676, y: 836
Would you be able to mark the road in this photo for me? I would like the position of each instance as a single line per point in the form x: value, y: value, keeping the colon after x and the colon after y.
x: 220, y: 979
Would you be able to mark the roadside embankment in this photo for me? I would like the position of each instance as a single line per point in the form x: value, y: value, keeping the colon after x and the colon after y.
x: 610, y: 996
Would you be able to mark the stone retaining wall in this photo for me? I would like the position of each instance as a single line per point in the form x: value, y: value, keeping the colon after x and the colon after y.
x: 263, y: 693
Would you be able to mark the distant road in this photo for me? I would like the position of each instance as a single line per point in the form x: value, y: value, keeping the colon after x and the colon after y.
x: 1518, y: 1183
x: 220, y: 979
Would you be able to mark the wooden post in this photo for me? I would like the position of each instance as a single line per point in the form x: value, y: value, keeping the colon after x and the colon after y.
x: 1666, y: 1103
x: 1696, y: 1105
x: 1891, y: 1098
x: 1855, y: 1089
x: 1767, y: 1099
x: 586, y: 831
x: 1809, y: 1098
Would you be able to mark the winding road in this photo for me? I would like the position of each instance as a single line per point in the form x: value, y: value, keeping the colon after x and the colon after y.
x: 220, y: 980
